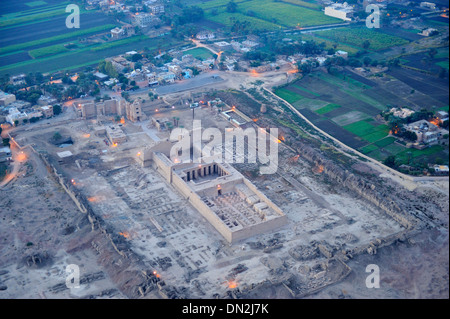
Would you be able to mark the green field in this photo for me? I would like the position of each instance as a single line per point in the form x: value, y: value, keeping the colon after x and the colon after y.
x: 357, y: 35
x: 306, y: 90
x: 35, y: 3
x: 216, y: 4
x: 84, y: 56
x: 443, y: 64
x: 45, y: 51
x: 287, y: 95
x: 112, y: 44
x: 385, y: 142
x: 228, y: 19
x: 267, y: 14
x: 368, y: 148
x: 328, y: 108
x: 200, y: 53
x: 286, y: 14
x: 8, y: 21
x: 352, y: 50
x: 361, y: 128
x: 381, y: 132
x: 74, y: 34
x: 304, y: 4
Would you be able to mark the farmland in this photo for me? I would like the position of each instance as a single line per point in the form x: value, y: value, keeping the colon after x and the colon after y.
x: 357, y: 36
x: 66, y: 36
x: 350, y: 114
x: 304, y: 4
x: 25, y: 47
x: 50, y: 50
x: 267, y: 14
x: 87, y: 55
x: 228, y: 19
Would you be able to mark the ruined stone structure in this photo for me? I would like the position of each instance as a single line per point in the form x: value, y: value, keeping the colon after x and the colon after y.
x: 134, y: 111
x: 230, y: 202
x: 115, y: 106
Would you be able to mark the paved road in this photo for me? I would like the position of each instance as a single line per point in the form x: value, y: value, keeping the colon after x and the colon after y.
x: 203, y: 79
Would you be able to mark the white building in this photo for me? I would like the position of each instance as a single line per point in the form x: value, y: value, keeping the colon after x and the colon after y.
x: 117, y: 33
x: 16, y: 115
x: 205, y: 35
x: 428, y: 5
x: 340, y: 10
x: 156, y: 8
x: 341, y: 53
x: 6, y: 98
x: 144, y: 20
x: 428, y: 32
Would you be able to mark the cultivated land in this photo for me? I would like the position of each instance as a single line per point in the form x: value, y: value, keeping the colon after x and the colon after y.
x: 37, y: 44
x: 267, y: 15
x: 350, y: 113
x: 357, y: 35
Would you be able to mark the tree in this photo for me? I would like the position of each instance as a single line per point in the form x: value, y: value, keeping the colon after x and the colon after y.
x: 106, y: 67
x: 136, y: 57
x: 366, y: 44
x: 190, y: 14
x: 125, y: 95
x: 367, y: 61
x: 39, y: 77
x: 57, y: 109
x: 57, y: 136
x: 354, y: 63
x: 390, y: 161
x: 231, y: 7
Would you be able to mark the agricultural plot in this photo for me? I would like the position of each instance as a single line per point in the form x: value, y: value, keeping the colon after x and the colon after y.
x: 216, y: 4
x: 306, y: 4
x: 45, y: 51
x: 267, y: 14
x: 349, y: 117
x: 349, y: 114
x: 286, y: 14
x: 19, y: 6
x: 200, y: 53
x: 361, y: 128
x: 287, y: 95
x: 25, y: 47
x: 31, y: 37
x: 409, y: 156
x: 228, y: 19
x: 35, y: 3
x: 328, y: 108
x: 435, y: 88
x: 85, y: 56
x: 357, y: 35
x: 312, y: 36
x: 24, y: 17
